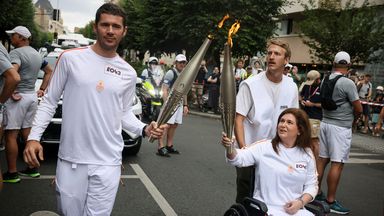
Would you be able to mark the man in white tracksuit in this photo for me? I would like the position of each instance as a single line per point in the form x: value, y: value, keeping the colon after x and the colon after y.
x: 98, y: 88
x: 259, y: 102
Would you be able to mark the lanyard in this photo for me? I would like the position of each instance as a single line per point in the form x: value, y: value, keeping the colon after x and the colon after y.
x: 313, y: 93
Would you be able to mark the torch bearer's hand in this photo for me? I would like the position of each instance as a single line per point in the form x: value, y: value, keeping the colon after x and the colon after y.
x: 228, y: 144
x: 152, y: 130
x: 225, y: 141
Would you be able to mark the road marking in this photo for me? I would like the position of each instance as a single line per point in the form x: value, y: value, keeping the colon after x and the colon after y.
x: 160, y: 200
x: 363, y: 161
x: 43, y: 177
x: 363, y: 154
x: 355, y: 160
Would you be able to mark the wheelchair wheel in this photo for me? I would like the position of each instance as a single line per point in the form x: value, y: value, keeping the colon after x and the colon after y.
x: 236, y: 210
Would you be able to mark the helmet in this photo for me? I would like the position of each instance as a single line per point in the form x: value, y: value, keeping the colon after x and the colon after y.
x: 381, y: 88
x: 153, y: 59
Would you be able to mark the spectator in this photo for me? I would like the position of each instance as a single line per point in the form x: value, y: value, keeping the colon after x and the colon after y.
x: 284, y: 191
x: 352, y: 74
x: 380, y: 120
x: 256, y: 66
x: 98, y: 100
x: 239, y: 72
x: 198, y: 85
x: 153, y: 70
x: 376, y: 108
x: 249, y: 72
x: 214, y: 90
x: 177, y: 118
x: 259, y: 102
x: 310, y: 101
x: 287, y: 69
x: 22, y: 106
x: 292, y: 71
x: 336, y: 131
x: 47, y: 76
x: 364, y: 88
x: 9, y: 80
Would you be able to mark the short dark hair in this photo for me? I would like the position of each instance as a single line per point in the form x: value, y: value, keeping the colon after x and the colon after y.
x: 112, y: 9
x: 304, y: 139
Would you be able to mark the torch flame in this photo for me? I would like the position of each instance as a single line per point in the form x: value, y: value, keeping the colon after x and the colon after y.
x: 221, y: 23
x: 234, y: 28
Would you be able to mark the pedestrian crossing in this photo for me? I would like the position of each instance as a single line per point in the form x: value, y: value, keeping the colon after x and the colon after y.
x: 365, y: 158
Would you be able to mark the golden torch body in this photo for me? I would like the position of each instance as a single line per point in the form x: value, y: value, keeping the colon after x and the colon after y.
x: 228, y: 95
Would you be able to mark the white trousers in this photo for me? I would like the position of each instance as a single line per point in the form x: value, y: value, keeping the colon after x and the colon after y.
x: 84, y: 189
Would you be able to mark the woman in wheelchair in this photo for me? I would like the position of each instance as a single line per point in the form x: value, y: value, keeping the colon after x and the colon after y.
x: 285, y: 173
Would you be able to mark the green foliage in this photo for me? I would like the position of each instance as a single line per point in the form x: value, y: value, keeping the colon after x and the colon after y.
x: 172, y: 26
x: 332, y: 28
x: 87, y: 31
x: 40, y: 38
x: 14, y: 13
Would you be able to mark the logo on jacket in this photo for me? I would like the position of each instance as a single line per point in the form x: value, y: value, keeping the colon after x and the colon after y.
x: 301, y: 166
x: 112, y: 71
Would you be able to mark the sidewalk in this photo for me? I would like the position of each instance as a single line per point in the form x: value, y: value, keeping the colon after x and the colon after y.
x: 364, y: 141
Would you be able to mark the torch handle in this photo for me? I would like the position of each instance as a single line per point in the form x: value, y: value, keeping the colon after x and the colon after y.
x: 229, y: 149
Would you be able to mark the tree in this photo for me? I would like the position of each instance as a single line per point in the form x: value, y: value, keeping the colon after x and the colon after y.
x: 87, y: 31
x: 172, y: 26
x: 332, y: 27
x: 14, y: 13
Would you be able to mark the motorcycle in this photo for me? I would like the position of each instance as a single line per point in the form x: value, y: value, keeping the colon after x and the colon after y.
x: 151, y: 97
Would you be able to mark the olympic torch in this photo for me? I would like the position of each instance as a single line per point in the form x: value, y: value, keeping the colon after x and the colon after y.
x: 228, y: 88
x: 184, y: 81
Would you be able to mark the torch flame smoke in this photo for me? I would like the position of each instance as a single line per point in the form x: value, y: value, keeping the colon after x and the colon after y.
x: 232, y: 31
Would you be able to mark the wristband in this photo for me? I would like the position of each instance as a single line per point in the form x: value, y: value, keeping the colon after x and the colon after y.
x: 42, y: 89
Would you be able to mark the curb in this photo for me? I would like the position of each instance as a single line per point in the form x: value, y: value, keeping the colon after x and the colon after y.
x: 214, y: 116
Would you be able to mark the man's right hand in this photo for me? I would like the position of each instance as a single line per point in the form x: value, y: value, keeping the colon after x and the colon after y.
x: 33, y: 149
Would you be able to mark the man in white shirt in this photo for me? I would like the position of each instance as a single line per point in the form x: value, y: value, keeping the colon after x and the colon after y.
x: 259, y: 102
x: 97, y: 87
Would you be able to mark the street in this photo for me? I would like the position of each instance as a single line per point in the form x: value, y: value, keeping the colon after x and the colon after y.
x: 196, y: 182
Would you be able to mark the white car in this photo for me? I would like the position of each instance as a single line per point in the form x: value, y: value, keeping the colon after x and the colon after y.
x: 132, y: 142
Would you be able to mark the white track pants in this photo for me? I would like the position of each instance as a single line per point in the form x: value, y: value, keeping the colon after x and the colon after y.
x: 84, y: 189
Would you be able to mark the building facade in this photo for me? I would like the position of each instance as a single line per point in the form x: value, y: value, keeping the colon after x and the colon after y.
x: 47, y: 18
x: 289, y: 31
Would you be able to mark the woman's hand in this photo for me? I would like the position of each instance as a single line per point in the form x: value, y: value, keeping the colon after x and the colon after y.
x: 225, y: 141
x: 294, y: 206
x: 228, y: 144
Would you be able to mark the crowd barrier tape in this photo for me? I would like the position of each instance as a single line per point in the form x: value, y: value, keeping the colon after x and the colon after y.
x: 371, y: 103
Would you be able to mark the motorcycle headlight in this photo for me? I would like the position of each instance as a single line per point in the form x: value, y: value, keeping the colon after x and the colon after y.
x: 151, y: 92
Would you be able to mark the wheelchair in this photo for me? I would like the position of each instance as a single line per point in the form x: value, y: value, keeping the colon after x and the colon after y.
x: 254, y: 207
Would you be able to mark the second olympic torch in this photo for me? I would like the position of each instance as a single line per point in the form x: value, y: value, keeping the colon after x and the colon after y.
x: 228, y: 88
x: 228, y: 95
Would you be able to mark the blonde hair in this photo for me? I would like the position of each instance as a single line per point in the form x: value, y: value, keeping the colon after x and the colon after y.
x: 283, y: 44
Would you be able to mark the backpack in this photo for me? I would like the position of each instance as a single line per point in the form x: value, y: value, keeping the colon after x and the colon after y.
x: 174, y: 78
x: 326, y: 92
